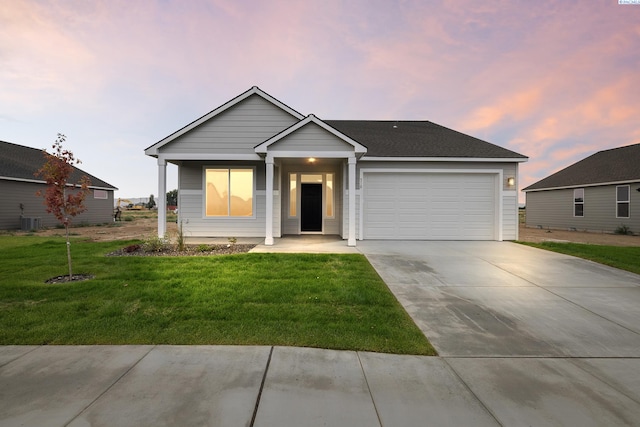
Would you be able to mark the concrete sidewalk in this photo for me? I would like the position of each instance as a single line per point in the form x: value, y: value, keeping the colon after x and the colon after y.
x: 284, y: 386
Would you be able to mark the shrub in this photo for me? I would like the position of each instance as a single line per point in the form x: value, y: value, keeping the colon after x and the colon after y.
x: 155, y: 244
x: 623, y: 229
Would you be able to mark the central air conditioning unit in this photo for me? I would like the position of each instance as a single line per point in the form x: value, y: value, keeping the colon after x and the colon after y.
x: 28, y: 223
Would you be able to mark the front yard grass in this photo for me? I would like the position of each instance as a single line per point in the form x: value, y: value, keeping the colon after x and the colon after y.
x: 326, y: 301
x: 622, y: 257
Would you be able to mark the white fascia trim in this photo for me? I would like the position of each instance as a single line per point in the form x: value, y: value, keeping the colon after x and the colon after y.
x: 442, y: 159
x: 429, y: 170
x: 317, y: 154
x: 202, y: 156
x: 599, y: 184
x: 358, y: 148
x: 255, y: 90
x: 36, y: 181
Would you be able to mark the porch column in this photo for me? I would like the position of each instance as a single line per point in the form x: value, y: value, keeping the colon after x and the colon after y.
x: 269, y: 216
x: 162, y: 197
x: 351, y: 241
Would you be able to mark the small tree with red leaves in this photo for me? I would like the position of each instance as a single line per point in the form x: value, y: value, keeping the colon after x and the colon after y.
x: 63, y: 199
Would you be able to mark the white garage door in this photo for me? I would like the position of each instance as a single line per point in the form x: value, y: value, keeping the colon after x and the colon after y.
x: 429, y: 206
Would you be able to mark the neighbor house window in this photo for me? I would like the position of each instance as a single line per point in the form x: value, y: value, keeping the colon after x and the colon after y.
x: 100, y: 194
x: 229, y: 192
x: 578, y: 202
x: 622, y: 201
x: 293, y: 181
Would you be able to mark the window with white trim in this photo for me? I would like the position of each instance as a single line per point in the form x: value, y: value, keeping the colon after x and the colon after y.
x: 329, y: 194
x: 578, y: 202
x: 622, y: 201
x: 229, y: 192
x: 100, y: 194
x: 293, y: 200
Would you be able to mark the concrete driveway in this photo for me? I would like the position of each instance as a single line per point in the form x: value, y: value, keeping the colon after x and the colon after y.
x: 504, y: 299
x: 539, y: 338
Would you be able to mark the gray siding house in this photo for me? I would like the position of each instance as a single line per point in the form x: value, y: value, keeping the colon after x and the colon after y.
x: 19, y: 186
x: 255, y: 167
x: 599, y: 193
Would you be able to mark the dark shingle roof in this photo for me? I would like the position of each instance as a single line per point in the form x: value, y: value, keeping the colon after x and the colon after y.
x: 417, y: 139
x: 615, y: 165
x: 21, y: 163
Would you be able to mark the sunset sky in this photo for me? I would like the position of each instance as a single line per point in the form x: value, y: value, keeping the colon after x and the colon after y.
x: 553, y: 80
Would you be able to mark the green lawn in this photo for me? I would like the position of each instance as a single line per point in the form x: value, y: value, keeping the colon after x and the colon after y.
x: 623, y: 257
x: 326, y: 301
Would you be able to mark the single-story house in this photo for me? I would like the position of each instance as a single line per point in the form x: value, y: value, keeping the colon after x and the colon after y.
x: 599, y: 193
x: 22, y: 208
x: 255, y: 167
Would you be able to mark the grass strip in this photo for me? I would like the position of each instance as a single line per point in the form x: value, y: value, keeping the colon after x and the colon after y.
x: 622, y: 257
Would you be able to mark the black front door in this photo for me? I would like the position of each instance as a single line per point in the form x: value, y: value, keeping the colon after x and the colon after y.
x: 311, y: 207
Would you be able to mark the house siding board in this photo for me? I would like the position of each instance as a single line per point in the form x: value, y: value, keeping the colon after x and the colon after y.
x: 195, y: 224
x: 508, y: 169
x: 311, y: 137
x: 99, y: 211
x: 510, y: 216
x: 234, y: 131
x: 554, y: 209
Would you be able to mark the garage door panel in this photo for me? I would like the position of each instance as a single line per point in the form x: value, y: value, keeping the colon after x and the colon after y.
x: 429, y: 206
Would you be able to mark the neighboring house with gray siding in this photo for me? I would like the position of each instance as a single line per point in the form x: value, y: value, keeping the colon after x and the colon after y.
x: 255, y: 167
x: 19, y: 185
x: 599, y: 193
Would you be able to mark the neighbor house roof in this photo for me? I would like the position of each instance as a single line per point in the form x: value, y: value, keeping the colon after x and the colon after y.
x: 20, y: 163
x: 617, y: 165
x: 393, y: 138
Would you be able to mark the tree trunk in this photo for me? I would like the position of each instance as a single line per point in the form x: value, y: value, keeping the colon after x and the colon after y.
x: 69, y: 253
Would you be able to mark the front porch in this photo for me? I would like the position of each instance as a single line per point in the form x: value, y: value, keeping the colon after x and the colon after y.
x: 305, y: 243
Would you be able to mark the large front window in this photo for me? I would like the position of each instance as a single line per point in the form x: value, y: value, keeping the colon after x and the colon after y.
x: 229, y: 192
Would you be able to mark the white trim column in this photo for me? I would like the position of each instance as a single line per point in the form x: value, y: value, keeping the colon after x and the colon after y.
x: 268, y: 240
x: 162, y: 197
x: 351, y: 241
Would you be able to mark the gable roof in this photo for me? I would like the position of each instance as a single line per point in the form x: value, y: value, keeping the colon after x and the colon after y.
x: 20, y: 163
x: 616, y: 165
x: 419, y: 139
x: 358, y: 148
x: 255, y: 90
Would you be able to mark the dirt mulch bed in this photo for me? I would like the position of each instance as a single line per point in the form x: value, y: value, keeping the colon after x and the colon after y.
x: 66, y: 279
x: 189, y: 250
x: 537, y: 235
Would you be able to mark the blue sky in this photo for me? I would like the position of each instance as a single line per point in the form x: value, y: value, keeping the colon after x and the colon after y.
x: 554, y: 80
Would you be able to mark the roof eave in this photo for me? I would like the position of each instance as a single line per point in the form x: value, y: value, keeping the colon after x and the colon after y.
x: 444, y: 159
x: 595, y: 184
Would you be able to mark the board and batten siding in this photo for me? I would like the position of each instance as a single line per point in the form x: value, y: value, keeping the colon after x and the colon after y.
x: 554, y: 209
x: 99, y: 211
x: 234, y: 131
